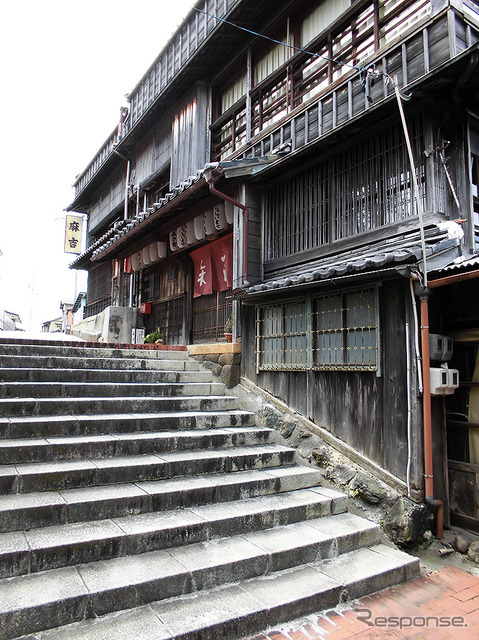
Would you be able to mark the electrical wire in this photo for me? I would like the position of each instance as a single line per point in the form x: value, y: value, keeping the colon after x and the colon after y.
x: 286, y: 44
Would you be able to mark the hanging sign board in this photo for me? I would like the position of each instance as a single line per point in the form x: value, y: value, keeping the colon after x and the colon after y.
x: 73, y: 234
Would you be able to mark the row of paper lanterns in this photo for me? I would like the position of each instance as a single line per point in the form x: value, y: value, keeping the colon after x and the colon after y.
x: 148, y: 255
x: 203, y: 226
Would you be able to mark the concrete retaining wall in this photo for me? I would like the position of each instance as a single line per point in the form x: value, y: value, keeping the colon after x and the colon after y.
x: 114, y: 324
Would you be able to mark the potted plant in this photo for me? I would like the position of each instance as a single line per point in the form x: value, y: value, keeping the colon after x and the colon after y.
x: 155, y: 337
x: 229, y: 328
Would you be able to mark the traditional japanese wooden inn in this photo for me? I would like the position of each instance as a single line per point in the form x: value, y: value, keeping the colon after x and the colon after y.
x: 310, y: 169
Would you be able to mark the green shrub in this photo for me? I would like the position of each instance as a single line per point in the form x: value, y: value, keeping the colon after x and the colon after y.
x: 154, y: 336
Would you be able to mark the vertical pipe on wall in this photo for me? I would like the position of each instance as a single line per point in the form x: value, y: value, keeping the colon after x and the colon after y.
x: 416, y: 336
x: 409, y: 412
x: 427, y: 419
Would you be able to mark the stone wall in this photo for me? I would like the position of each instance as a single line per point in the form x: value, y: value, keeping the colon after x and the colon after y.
x: 222, y: 358
x: 373, y: 493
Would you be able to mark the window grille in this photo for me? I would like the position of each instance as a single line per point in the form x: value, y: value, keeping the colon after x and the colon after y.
x: 167, y: 315
x: 283, y: 335
x: 360, y: 189
x: 210, y: 314
x: 338, y: 331
x: 99, y: 289
x: 345, y: 330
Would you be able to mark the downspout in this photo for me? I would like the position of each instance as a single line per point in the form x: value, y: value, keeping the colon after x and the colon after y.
x: 212, y: 174
x: 427, y: 415
x: 427, y: 419
x: 424, y: 298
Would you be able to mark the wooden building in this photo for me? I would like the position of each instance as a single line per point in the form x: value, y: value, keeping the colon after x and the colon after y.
x: 328, y: 150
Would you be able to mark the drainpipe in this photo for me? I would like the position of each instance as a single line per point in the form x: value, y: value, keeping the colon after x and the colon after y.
x: 428, y: 466
x: 212, y: 174
x: 427, y: 419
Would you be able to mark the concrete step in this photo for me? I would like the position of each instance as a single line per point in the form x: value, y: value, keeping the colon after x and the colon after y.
x: 15, y: 407
x: 91, y: 352
x: 75, y: 362
x: 71, y: 544
x: 66, y: 474
x: 234, y: 611
x: 51, y: 426
x: 279, y: 573
x: 103, y: 375
x: 35, y: 510
x: 129, y: 444
x: 40, y: 390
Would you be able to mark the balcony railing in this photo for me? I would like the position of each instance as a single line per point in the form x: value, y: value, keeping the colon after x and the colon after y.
x: 401, y: 50
x: 97, y: 306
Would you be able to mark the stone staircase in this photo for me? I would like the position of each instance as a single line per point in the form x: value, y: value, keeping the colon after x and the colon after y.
x: 136, y: 499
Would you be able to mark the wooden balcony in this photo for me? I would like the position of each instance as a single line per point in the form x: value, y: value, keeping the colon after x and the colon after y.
x: 307, y: 103
x: 435, y: 42
x: 181, y: 48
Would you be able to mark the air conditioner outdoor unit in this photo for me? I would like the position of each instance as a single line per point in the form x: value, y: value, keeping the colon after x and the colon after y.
x: 444, y: 381
x: 440, y: 347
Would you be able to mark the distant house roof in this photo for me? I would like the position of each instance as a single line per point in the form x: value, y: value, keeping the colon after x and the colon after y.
x: 78, y: 301
x: 13, y: 316
x: 9, y: 321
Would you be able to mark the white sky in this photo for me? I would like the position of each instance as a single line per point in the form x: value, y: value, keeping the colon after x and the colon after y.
x: 66, y: 67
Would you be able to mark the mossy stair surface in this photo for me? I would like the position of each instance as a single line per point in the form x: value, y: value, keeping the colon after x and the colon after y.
x: 136, y: 497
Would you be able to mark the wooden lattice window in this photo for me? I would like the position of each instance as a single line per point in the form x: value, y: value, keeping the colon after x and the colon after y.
x: 330, y: 332
x: 365, y: 187
x: 210, y: 313
x: 345, y: 330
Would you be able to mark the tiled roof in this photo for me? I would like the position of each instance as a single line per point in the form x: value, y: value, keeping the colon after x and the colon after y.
x: 405, y: 249
x: 106, y: 243
x: 230, y: 168
x: 86, y: 254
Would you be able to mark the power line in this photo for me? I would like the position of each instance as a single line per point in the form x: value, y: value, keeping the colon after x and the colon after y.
x: 286, y: 44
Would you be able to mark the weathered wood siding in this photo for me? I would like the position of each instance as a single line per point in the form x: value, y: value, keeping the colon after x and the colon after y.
x: 252, y: 199
x: 106, y: 199
x: 151, y: 155
x: 190, y: 136
x: 367, y: 411
x: 153, y: 152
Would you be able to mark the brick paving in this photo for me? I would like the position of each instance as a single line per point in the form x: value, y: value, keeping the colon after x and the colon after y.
x: 441, y: 605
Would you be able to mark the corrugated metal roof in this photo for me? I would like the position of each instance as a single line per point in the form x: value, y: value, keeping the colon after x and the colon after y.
x: 460, y: 264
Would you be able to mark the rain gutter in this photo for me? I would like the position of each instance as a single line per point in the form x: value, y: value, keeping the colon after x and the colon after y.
x: 212, y: 173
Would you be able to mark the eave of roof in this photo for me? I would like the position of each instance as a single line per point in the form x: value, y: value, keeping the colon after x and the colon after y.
x: 83, y: 258
x: 375, y: 261
x: 193, y: 187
